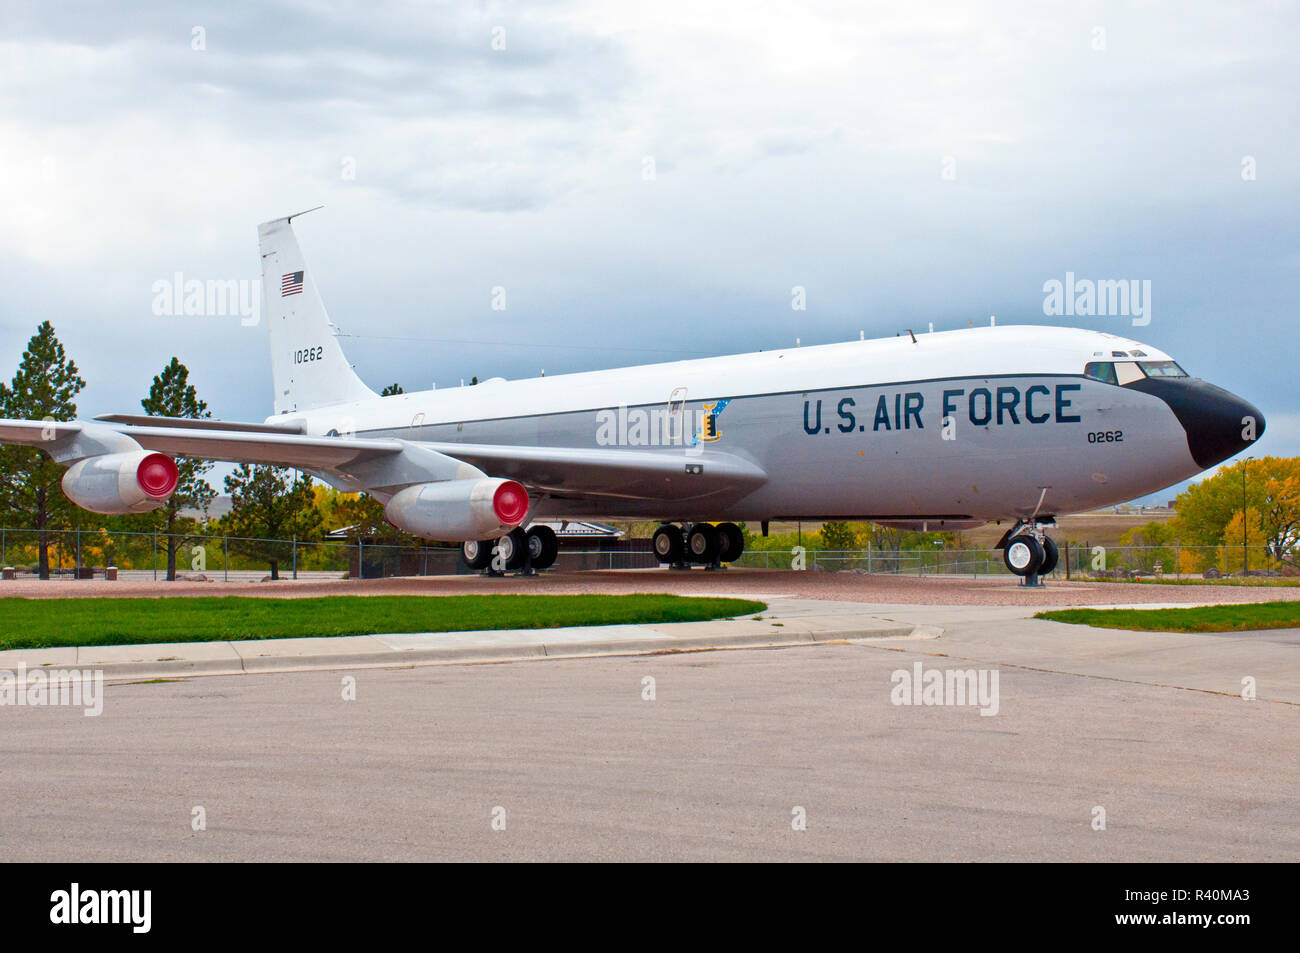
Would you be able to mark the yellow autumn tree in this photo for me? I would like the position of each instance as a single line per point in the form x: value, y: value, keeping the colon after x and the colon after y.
x: 1254, y: 538
x: 1270, y: 486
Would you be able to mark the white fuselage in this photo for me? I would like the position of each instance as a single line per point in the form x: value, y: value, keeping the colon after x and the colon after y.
x: 975, y: 424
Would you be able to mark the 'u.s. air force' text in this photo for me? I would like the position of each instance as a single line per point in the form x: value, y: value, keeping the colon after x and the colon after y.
x: 982, y: 406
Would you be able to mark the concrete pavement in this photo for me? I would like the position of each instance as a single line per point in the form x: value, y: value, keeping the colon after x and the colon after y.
x: 787, y: 622
x: 1207, y: 662
x: 999, y: 635
x: 573, y: 761
x: 676, y: 755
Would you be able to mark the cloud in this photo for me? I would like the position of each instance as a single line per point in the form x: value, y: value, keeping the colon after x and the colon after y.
x: 789, y: 146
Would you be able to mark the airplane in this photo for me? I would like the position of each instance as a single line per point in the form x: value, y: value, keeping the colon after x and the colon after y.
x: 938, y: 431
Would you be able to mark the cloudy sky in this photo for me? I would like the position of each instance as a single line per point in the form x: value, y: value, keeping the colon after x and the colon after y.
x: 905, y: 163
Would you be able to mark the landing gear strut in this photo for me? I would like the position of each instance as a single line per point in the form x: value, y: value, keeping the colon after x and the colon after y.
x: 1029, y: 552
x: 700, y: 544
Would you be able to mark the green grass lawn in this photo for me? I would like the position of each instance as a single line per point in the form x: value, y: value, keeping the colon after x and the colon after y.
x: 46, y: 623
x: 1231, y: 618
x: 1282, y: 583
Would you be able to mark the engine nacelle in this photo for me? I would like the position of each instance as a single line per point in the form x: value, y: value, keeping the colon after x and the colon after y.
x: 120, y: 483
x: 459, y: 510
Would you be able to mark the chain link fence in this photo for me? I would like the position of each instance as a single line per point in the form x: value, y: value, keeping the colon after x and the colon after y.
x: 92, y: 553
x: 1076, y: 561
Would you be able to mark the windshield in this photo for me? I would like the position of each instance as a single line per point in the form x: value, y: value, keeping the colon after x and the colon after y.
x: 1126, y: 372
x: 1162, y: 369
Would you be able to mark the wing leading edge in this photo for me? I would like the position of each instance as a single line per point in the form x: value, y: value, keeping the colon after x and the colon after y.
x: 386, y: 465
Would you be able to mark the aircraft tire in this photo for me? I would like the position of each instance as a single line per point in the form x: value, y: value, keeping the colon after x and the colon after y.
x: 703, y: 544
x: 477, y: 553
x: 667, y: 544
x: 1023, y: 555
x: 733, y: 542
x: 543, y: 547
x: 1051, y: 556
x: 514, y: 548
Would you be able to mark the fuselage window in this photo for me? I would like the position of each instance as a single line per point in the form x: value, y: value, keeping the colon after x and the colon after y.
x: 1163, y: 369
x: 1101, y: 371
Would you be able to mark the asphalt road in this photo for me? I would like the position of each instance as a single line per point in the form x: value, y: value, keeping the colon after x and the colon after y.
x: 713, y: 768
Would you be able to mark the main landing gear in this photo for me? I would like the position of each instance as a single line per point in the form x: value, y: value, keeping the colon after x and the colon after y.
x: 699, y: 544
x: 519, y: 551
x: 1029, y: 552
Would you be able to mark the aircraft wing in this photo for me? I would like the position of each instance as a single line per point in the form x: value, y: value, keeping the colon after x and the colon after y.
x: 235, y: 446
x: 670, y: 475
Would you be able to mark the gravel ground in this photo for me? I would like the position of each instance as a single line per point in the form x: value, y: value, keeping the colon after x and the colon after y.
x: 846, y: 587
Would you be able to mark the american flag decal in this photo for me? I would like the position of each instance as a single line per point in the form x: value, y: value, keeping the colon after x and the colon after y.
x: 291, y: 284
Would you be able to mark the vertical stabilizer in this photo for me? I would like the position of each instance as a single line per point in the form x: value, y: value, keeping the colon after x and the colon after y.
x: 307, y: 364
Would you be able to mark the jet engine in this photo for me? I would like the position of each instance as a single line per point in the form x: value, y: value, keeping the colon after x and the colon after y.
x: 460, y: 510
x: 120, y: 483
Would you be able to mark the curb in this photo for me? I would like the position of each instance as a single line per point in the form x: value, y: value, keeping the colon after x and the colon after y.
x: 399, y: 658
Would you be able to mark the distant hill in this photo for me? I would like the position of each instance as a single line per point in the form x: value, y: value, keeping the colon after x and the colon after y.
x: 219, y: 507
x: 1096, y: 528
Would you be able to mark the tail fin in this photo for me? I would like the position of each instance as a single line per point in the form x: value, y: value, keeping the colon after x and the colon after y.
x: 307, y: 364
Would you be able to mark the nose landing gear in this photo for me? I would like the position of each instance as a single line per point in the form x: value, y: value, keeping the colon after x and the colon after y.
x: 1029, y: 552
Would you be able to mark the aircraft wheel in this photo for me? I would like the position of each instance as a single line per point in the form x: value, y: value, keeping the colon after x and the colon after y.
x: 733, y: 542
x: 477, y: 553
x: 543, y: 547
x: 512, y: 548
x: 668, y: 544
x: 1023, y: 555
x: 1051, y: 555
x: 703, y: 543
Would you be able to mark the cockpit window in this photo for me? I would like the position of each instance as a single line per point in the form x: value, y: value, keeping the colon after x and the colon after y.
x: 1101, y: 371
x: 1162, y: 369
x: 1128, y: 372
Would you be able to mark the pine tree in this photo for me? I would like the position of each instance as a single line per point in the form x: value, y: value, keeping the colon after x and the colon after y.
x: 269, y: 503
x: 391, y: 390
x: 44, y: 388
x: 172, y: 395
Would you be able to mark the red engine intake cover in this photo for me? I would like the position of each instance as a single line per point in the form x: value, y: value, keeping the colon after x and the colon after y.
x: 158, y: 476
x: 510, y: 502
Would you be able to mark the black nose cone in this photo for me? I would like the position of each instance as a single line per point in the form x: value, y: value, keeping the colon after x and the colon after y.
x: 1218, y: 423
